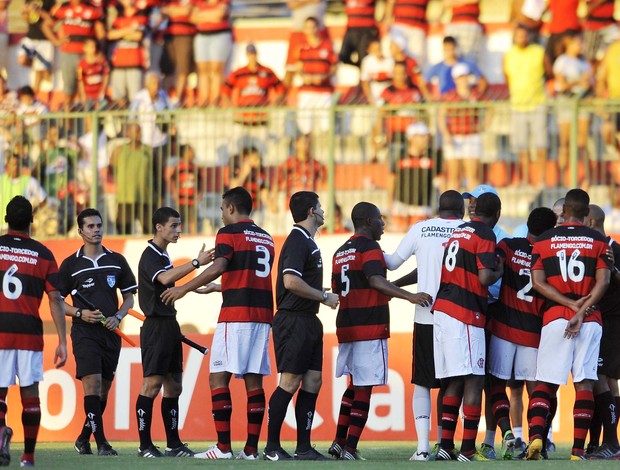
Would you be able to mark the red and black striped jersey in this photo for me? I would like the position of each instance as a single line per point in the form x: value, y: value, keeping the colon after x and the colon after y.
x: 246, y: 284
x: 461, y: 295
x: 468, y: 13
x: 318, y: 60
x: 92, y: 75
x: 364, y: 312
x: 360, y: 13
x: 570, y: 255
x: 411, y: 13
x: 461, y: 120
x: 126, y: 53
x: 212, y: 7
x: 78, y: 24
x: 518, y: 318
x: 252, y: 87
x: 601, y: 16
x: 180, y: 25
x: 27, y: 269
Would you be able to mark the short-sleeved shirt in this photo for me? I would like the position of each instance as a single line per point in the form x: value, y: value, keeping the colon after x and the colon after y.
x: 318, y: 60
x: 563, y: 16
x: 153, y: 262
x: 300, y: 256
x: 377, y: 71
x: 460, y: 120
x: 525, y: 71
x: 252, y: 87
x: 441, y: 75
x: 461, y: 295
x: 570, y: 254
x: 34, y: 19
x: 27, y: 269
x: 180, y: 25
x: 600, y: 17
x: 467, y: 13
x: 246, y: 283
x: 610, y: 303
x: 296, y: 174
x: 360, y: 13
x: 97, y: 280
x: 572, y: 69
x: 212, y: 27
x: 126, y: 53
x: 93, y: 75
x: 364, y: 313
x: 411, y: 13
x: 78, y: 24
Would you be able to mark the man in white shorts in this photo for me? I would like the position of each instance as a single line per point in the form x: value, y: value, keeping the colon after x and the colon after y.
x: 363, y: 323
x: 244, y: 255
x: 571, y: 269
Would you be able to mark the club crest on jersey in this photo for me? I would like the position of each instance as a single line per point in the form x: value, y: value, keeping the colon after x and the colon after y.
x: 111, y: 280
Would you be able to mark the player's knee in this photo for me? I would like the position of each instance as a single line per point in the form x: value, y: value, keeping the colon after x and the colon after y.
x: 92, y: 385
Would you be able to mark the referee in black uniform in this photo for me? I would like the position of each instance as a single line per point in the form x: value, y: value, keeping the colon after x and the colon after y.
x: 160, y: 336
x: 97, y: 273
x: 297, y: 331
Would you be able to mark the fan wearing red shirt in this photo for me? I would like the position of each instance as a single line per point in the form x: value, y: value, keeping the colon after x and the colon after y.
x: 564, y: 19
x: 599, y: 29
x: 361, y: 30
x: 400, y: 93
x: 465, y: 27
x: 93, y: 74
x: 571, y: 269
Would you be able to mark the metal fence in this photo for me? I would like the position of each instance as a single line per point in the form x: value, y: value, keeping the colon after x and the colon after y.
x: 400, y: 158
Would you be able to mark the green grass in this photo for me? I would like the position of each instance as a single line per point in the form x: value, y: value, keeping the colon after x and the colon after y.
x: 393, y: 454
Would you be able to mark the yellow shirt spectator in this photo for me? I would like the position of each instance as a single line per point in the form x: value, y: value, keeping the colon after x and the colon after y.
x: 524, y: 70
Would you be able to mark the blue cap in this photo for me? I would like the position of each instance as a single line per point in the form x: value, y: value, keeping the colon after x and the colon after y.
x: 479, y: 191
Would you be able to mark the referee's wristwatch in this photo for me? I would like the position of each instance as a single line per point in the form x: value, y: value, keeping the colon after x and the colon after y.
x: 195, y: 263
x: 78, y: 313
x: 325, y: 296
x: 119, y: 317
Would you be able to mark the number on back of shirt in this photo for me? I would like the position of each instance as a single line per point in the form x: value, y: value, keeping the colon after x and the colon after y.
x: 451, y: 252
x: 571, y: 268
x: 522, y: 293
x: 11, y: 286
x: 263, y: 261
x: 344, y: 280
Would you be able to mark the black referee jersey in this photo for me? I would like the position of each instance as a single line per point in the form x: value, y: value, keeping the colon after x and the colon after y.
x: 154, y: 261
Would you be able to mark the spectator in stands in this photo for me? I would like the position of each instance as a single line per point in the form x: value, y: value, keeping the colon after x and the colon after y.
x: 573, y: 80
x: 525, y: 75
x: 465, y: 26
x: 8, y: 105
x: 93, y: 75
x: 399, y: 52
x: 599, y: 29
x: 528, y: 14
x: 247, y: 170
x: 460, y: 131
x: 8, y: 98
x: 179, y: 50
x: 408, y: 18
x: 156, y: 39
x: 31, y: 127
x: 4, y: 36
x: 316, y: 65
x: 608, y: 86
x: 564, y: 20
x: 186, y: 184
x: 130, y: 164
x: 440, y: 74
x: 212, y: 47
x: 361, y: 31
x: 375, y: 73
x: 79, y: 20
x: 300, y: 11
x: 37, y: 47
x: 127, y: 52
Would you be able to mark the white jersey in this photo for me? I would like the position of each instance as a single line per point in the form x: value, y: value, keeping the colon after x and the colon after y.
x: 426, y: 240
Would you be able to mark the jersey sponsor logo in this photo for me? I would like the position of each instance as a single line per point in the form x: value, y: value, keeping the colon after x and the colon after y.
x: 90, y: 282
x: 217, y: 363
x: 111, y: 280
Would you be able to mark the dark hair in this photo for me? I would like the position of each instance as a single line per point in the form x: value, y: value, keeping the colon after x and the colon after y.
x: 450, y: 40
x: 451, y: 200
x: 488, y: 204
x: 163, y: 215
x: 240, y: 198
x: 249, y: 151
x: 577, y: 202
x: 313, y: 19
x: 18, y: 214
x: 300, y: 203
x: 540, y: 220
x: 361, y: 212
x: 90, y: 212
x: 25, y: 91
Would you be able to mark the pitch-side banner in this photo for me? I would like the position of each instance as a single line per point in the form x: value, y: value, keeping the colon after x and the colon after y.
x: 390, y: 416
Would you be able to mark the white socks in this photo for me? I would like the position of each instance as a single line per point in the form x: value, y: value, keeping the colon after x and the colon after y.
x: 422, y: 416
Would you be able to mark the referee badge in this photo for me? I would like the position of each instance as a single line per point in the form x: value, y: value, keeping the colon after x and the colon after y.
x: 111, y: 280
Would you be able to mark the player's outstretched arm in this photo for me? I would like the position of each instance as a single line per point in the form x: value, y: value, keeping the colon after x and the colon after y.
x: 407, y: 279
x: 172, y: 275
x: 387, y: 288
x: 208, y: 275
x: 58, y: 315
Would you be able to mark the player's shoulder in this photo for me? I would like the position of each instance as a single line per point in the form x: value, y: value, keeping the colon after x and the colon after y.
x: 114, y: 256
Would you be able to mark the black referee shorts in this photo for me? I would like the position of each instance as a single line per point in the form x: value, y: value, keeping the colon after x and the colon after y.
x: 609, y: 357
x: 161, y: 347
x: 298, y: 342
x: 96, y: 350
x: 423, y: 364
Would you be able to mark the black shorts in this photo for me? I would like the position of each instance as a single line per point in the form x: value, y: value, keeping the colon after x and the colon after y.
x: 96, y: 351
x: 609, y: 356
x: 160, y: 343
x: 355, y: 45
x: 423, y: 364
x: 298, y: 342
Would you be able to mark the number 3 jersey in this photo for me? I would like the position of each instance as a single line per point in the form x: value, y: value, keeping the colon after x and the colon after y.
x: 461, y: 295
x: 363, y: 313
x: 246, y: 283
x: 570, y: 254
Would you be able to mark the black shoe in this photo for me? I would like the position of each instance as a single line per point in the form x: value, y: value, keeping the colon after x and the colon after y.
x: 180, y: 451
x: 151, y: 453
x: 82, y: 447
x: 106, y: 449
x: 5, y: 442
x: 276, y: 454
x: 311, y: 454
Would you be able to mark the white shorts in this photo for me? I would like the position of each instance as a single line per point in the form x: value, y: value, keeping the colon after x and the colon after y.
x: 313, y: 111
x: 463, y: 146
x: 125, y: 83
x: 416, y: 41
x: 529, y: 128
x: 459, y: 348
x: 510, y: 360
x: 25, y: 366
x: 215, y: 47
x: 558, y: 356
x: 241, y: 348
x: 43, y: 47
x: 365, y: 361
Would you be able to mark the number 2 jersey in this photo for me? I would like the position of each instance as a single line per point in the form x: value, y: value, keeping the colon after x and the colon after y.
x: 570, y: 254
x: 364, y: 312
x: 27, y: 270
x: 461, y: 295
x: 246, y: 283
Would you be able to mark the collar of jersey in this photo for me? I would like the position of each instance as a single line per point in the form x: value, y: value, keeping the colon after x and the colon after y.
x: 18, y: 234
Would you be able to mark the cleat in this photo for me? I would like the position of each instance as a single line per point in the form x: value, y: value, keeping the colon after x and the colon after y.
x: 433, y: 453
x: 519, y: 445
x: 180, y: 451
x: 346, y: 455
x: 421, y: 456
x: 26, y: 463
x: 82, y: 447
x: 475, y: 457
x: 243, y: 456
x: 488, y: 451
x: 151, y: 453
x: 550, y: 447
x: 311, y: 454
x: 446, y: 455
x: 591, y: 448
x: 604, y: 452
x: 508, y: 445
x: 534, y: 449
x: 335, y: 450
x: 544, y: 454
x: 276, y: 454
x: 5, y: 446
x: 106, y: 449
x: 577, y: 457
x: 214, y: 453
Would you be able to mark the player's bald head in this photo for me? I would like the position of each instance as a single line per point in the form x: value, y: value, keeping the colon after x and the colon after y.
x: 596, y: 217
x: 576, y: 204
x: 452, y: 201
x: 362, y: 211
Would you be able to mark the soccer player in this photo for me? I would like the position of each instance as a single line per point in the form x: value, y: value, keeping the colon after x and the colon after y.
x: 363, y: 323
x: 516, y: 323
x: 469, y: 267
x: 98, y: 274
x: 27, y: 269
x: 160, y: 336
x: 297, y: 331
x: 244, y: 255
x: 426, y: 240
x: 571, y: 269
